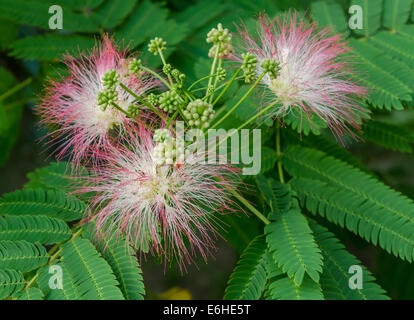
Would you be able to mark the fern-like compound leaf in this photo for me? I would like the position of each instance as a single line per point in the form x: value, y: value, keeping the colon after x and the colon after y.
x: 291, y: 244
x: 51, y: 203
x: 353, y: 199
x: 21, y: 255
x: 37, y: 228
x: 281, y: 287
x: 388, y: 135
x: 123, y: 262
x: 11, y: 281
x: 92, y: 275
x: 248, y: 279
x: 335, y: 279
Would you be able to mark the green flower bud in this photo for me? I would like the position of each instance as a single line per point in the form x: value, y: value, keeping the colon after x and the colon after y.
x: 157, y: 44
x: 270, y: 66
x: 249, y: 67
x: 110, y: 79
x: 134, y: 65
x: 199, y: 113
x: 106, y: 97
x: 169, y: 101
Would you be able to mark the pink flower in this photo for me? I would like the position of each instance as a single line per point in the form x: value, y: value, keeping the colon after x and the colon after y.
x: 314, y: 76
x: 169, y: 208
x: 70, y: 107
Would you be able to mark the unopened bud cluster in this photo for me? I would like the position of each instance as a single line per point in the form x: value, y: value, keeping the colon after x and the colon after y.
x: 109, y: 94
x: 134, y: 65
x: 221, y: 74
x: 169, y: 101
x: 157, y: 44
x: 249, y: 67
x: 167, y: 152
x: 199, y: 113
x: 271, y: 67
x: 221, y: 39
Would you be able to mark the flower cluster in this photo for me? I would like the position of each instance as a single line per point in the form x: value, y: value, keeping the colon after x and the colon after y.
x: 117, y: 117
x: 310, y: 72
x: 80, y: 105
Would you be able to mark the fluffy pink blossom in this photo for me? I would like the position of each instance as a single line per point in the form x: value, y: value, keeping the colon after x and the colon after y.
x: 70, y: 107
x: 315, y: 77
x: 169, y: 208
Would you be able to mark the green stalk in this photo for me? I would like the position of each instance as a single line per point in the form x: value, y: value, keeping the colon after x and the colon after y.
x: 16, y: 88
x: 213, y: 68
x: 249, y: 121
x: 149, y: 105
x: 215, y: 81
x: 53, y: 258
x: 227, y: 86
x: 240, y: 101
x: 278, y: 153
x: 239, y: 197
x: 199, y: 80
x: 156, y: 75
x: 164, y: 63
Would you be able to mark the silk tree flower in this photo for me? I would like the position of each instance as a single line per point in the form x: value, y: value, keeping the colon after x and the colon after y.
x: 168, y: 206
x: 313, y: 75
x: 70, y: 107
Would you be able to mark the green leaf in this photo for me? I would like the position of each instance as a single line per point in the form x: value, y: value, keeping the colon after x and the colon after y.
x: 141, y: 24
x: 50, y: 46
x: 57, y: 176
x: 330, y: 14
x: 281, y: 287
x: 397, y: 46
x: 201, y: 13
x: 388, y: 136
x: 248, y: 279
x: 10, y: 123
x: 31, y: 294
x: 371, y: 16
x: 91, y: 273
x: 335, y: 276
x: 9, y: 32
x: 37, y: 228
x: 36, y: 13
x: 123, y: 261
x: 113, y: 12
x: 68, y: 290
x: 55, y: 204
x: 21, y: 255
x: 395, y: 13
x: 381, y: 73
x: 325, y: 144
x: 292, y: 245
x: 268, y: 158
x: 11, y: 281
x: 277, y: 195
x: 354, y: 199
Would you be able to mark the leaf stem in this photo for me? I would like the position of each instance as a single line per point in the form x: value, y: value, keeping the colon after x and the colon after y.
x: 16, y: 88
x: 156, y: 75
x: 278, y: 153
x: 213, y: 68
x: 248, y: 205
x: 227, y: 86
x: 240, y: 101
x: 53, y: 258
x: 149, y: 105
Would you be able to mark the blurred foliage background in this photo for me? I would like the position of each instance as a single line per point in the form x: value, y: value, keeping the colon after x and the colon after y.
x: 30, y: 53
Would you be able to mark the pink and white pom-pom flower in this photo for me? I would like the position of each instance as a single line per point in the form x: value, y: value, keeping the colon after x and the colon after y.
x: 168, y: 208
x: 70, y: 107
x: 314, y: 75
